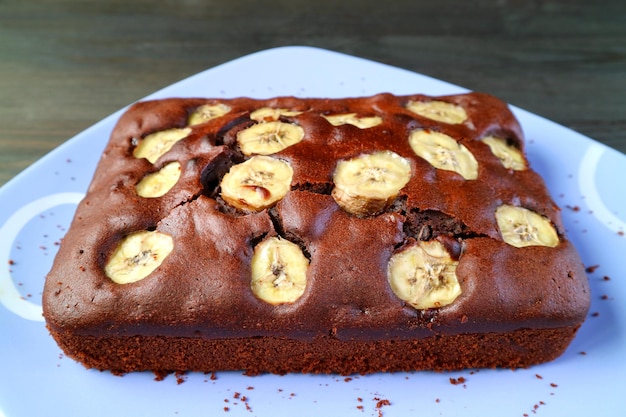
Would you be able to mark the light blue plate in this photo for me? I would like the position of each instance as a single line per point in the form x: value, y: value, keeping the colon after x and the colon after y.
x: 36, y: 207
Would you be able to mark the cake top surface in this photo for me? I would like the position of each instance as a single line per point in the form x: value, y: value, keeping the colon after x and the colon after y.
x: 221, y: 186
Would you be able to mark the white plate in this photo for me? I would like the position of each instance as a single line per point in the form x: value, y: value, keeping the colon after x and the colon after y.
x: 585, y: 178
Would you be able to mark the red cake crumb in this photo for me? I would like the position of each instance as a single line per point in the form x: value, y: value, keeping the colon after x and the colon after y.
x: 591, y: 269
x: 160, y: 375
x: 180, y: 377
x: 382, y: 403
x: 457, y: 381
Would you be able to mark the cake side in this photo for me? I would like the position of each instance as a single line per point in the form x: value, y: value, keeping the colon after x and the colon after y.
x: 321, y: 355
x: 200, y: 295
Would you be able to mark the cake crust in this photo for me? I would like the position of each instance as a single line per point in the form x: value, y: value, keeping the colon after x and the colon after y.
x: 196, y: 311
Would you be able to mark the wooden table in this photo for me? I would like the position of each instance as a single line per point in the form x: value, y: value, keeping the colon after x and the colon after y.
x: 65, y: 64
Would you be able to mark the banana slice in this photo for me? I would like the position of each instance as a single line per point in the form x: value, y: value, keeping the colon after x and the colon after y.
x: 266, y: 114
x: 444, y: 152
x: 278, y: 271
x: 137, y: 255
x: 353, y: 119
x: 440, y: 111
x: 156, y: 144
x: 159, y: 183
x: 521, y: 227
x: 424, y: 275
x: 367, y: 184
x: 207, y: 112
x: 269, y: 138
x: 257, y: 183
x: 509, y: 155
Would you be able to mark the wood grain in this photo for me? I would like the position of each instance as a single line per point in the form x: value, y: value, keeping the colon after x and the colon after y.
x: 65, y: 64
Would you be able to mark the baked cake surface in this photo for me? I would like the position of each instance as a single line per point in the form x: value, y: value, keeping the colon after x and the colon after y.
x: 354, y: 235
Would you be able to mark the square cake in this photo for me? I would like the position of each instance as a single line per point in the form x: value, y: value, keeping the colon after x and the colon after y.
x: 355, y: 235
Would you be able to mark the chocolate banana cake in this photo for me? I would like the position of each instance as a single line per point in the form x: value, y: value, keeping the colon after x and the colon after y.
x: 356, y: 235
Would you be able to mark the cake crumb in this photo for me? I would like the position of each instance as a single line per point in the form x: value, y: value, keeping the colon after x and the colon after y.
x: 591, y: 269
x: 382, y: 403
x: 160, y: 375
x: 180, y: 377
x: 458, y: 381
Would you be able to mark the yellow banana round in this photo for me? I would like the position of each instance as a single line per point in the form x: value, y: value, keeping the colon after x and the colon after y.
x: 257, y: 183
x: 137, y: 256
x: 367, y: 184
x: 424, y: 275
x: 279, y: 271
